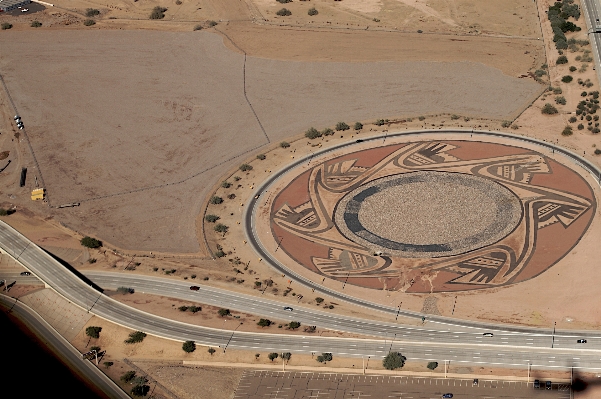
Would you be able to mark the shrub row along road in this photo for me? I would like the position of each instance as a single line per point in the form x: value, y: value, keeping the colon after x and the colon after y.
x: 73, y: 288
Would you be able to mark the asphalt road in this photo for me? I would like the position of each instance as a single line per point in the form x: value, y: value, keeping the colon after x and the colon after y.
x: 69, y: 354
x: 592, y: 14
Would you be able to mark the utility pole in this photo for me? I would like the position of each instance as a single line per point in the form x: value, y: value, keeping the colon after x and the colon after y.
x: 528, y: 372
x: 553, y: 339
x: 398, y: 311
x: 445, y: 369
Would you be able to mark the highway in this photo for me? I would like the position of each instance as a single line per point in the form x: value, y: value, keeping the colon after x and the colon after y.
x: 470, y: 352
x: 592, y: 14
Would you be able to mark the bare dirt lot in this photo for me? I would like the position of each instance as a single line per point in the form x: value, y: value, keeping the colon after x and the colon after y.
x: 137, y: 125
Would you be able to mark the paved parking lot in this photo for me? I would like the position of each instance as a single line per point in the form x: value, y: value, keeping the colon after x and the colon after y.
x: 295, y: 385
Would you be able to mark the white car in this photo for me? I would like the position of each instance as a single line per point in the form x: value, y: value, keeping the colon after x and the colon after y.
x: 24, y: 9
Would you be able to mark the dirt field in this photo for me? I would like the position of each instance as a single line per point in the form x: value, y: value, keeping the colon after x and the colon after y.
x: 140, y: 127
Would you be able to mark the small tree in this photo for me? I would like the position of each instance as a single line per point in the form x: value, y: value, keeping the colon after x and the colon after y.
x: 567, y: 131
x: 182, y: 308
x: 90, y: 242
x: 293, y: 325
x: 212, y: 218
x: 245, y: 167
x: 195, y: 309
x: 319, y: 300
x: 261, y: 157
x: 561, y: 100
x: 548, y: 109
x: 312, y: 133
x: 6, y: 25
x: 89, y: 22
x: 189, y: 346
x: 158, y: 12
x: 284, y: 12
x: 432, y: 365
x: 224, y: 312
x: 215, y: 200
x: 358, y: 125
x: 226, y: 184
x: 286, y: 356
x: 312, y: 12
x: 95, y: 348
x: 221, y: 228
x: 135, y: 337
x: 36, y: 24
x: 567, y: 79
x: 93, y: 331
x: 211, y: 351
x: 324, y: 358
x: 272, y: 356
x: 264, y: 323
x: 92, y: 12
x: 107, y: 364
x: 327, y: 132
x: 394, y: 360
x: 342, y: 126
x: 284, y: 144
x: 128, y: 376
x: 125, y: 290
x: 562, y: 59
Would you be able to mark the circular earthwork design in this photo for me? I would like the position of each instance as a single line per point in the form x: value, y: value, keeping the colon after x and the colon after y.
x: 427, y: 216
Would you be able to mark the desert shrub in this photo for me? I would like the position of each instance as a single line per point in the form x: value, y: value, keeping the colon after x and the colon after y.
x: 325, y: 357
x: 539, y: 73
x: 215, y: 200
x: 89, y: 22
x: 197, y: 27
x: 560, y: 100
x: 312, y: 11
x: 561, y: 45
x: 393, y: 360
x: 272, y: 356
x: 182, y: 308
x: 562, y: 59
x: 261, y: 156
x: 432, y: 365
x: 264, y: 323
x: 128, y: 376
x: 589, y: 118
x: 284, y: 1
x: 421, y: 118
x: 573, y: 68
x: 211, y: 218
x: 595, y: 130
x: 135, y: 337
x: 284, y: 12
x: 580, y: 126
x: 226, y: 184
x: 218, y: 254
x: 567, y: 78
x: 92, y: 12
x: 597, y: 151
x: 245, y: 167
x: 90, y: 242
x: 195, y: 309
x: 341, y: 126
x: 6, y: 25
x: 572, y: 119
x: 327, y: 132
x: 379, y: 122
x: 358, y: 126
x: 189, y: 346
x: 548, y: 109
x: 319, y: 300
x: 293, y: 325
x: 557, y: 90
x: 224, y: 312
x: 107, y: 364
x: 312, y: 133
x: 515, y: 127
x: 36, y: 24
x: 506, y: 123
x: 178, y: 2
x: 158, y: 12
x: 284, y: 144
x: 125, y: 290
x: 567, y: 131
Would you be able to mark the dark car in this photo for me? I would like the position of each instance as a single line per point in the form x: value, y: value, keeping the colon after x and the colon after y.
x: 581, y: 341
x: 548, y: 384
x: 475, y: 382
x: 447, y: 395
x: 536, y: 384
x: 194, y: 288
x: 25, y: 274
x: 288, y: 308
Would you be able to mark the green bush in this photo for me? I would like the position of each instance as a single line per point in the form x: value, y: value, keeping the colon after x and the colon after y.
x: 319, y: 300
x: 567, y: 79
x: 135, y: 337
x: 272, y: 356
x: 218, y: 254
x: 421, y: 118
x: 245, y: 167
x: 567, y: 131
x: 3, y: 212
x: 215, y: 200
x: 327, y: 132
x: 182, y: 308
x: 93, y: 331
x: 562, y: 59
x: 128, y: 376
x: 506, y: 123
x: 284, y: 144
x: 324, y: 358
x: 261, y: 156
x: 224, y: 312
x: 284, y: 12
x: 312, y: 133
x: 140, y: 390
x: 89, y: 22
x: 393, y: 360
x: 189, y: 346
x: 195, y: 309
x: 107, y: 364
x: 212, y: 218
x: 158, y: 12
x: 560, y: 100
x: 125, y: 290
x: 264, y: 323
x: 36, y: 24
x: 580, y: 126
x: 597, y: 151
x: 211, y: 23
x: 572, y: 119
x: 432, y: 365
x: 90, y: 242
x: 548, y: 109
x: 293, y: 325
x: 197, y: 27
x: 92, y: 12
x: 6, y: 25
x: 226, y: 184
x: 341, y: 126
x: 358, y: 125
x: 573, y: 68
x: 211, y: 351
x: 221, y: 228
x: 284, y: 1
x: 379, y: 122
x: 312, y: 11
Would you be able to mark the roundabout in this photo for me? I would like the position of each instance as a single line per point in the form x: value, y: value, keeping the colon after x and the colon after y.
x: 419, y: 213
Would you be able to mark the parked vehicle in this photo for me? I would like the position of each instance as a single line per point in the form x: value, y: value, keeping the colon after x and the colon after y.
x: 194, y: 288
x: 548, y: 384
x: 25, y: 274
x: 536, y: 384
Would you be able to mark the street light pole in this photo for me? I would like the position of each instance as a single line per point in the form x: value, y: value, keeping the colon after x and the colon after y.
x: 279, y: 243
x: 398, y: 311
x: 348, y: 274
x: 553, y: 339
x: 228, y: 342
